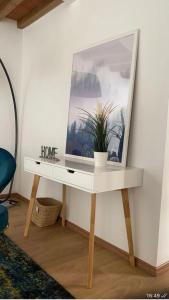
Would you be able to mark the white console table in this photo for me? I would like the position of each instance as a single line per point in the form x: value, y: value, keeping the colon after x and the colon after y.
x: 86, y: 177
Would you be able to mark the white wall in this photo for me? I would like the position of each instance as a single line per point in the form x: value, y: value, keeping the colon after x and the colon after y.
x: 48, y: 48
x: 163, y: 243
x: 11, y: 54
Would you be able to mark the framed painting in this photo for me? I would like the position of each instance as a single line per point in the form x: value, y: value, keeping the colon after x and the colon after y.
x: 103, y: 74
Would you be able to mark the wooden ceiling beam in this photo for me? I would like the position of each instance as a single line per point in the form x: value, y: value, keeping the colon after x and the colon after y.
x: 7, y: 6
x: 38, y: 12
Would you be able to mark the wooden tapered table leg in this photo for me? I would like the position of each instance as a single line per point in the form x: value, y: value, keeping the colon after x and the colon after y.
x: 91, y: 241
x: 31, y: 203
x: 126, y: 208
x: 64, y: 205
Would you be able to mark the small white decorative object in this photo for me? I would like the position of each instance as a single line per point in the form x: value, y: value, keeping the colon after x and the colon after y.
x: 100, y: 159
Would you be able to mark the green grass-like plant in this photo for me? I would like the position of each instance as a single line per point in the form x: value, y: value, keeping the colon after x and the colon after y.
x: 97, y: 125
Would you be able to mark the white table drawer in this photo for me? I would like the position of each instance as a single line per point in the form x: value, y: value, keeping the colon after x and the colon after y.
x: 38, y: 168
x: 73, y: 178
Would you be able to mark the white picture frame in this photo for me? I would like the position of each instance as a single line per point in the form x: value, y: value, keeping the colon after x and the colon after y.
x: 135, y: 35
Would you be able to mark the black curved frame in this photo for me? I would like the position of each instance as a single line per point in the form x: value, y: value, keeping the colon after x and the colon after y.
x: 16, y: 124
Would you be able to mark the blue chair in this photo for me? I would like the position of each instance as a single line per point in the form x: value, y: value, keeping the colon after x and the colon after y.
x: 3, y: 218
x: 7, y: 171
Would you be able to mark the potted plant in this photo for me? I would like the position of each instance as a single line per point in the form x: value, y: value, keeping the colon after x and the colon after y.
x: 97, y: 125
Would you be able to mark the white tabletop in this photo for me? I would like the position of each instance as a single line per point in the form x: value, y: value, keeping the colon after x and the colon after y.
x: 81, y: 165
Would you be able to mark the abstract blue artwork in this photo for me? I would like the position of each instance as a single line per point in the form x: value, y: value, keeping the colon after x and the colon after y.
x: 101, y: 75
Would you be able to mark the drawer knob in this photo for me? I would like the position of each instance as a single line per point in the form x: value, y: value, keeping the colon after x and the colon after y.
x: 70, y: 171
x: 37, y: 162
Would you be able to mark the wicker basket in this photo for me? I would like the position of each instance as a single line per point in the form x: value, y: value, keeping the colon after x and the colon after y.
x: 46, y: 211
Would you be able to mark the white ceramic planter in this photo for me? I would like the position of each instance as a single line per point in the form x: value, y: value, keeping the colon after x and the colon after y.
x: 100, y: 159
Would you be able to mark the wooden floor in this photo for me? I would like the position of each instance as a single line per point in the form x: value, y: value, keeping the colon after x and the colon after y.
x: 63, y: 254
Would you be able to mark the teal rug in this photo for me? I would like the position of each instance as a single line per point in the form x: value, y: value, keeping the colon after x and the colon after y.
x: 22, y: 278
